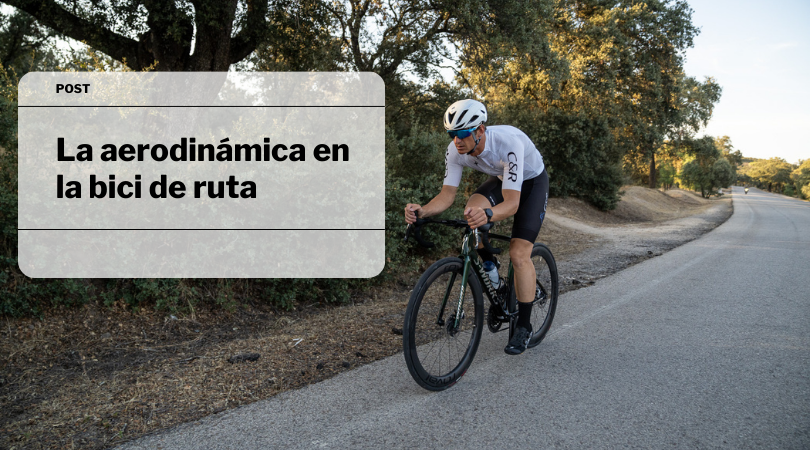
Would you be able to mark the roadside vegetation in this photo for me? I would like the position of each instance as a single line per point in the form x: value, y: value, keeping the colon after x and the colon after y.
x: 599, y: 86
x: 777, y: 175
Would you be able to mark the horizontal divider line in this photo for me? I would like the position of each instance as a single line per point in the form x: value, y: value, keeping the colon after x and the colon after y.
x: 201, y: 106
x: 200, y: 229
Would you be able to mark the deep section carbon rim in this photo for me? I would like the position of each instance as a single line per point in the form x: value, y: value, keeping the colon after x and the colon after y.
x: 438, y: 349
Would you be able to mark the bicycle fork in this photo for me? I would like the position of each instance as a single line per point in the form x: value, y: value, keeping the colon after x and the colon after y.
x: 459, y: 312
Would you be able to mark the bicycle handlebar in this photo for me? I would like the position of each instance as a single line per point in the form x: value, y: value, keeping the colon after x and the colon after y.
x: 455, y: 223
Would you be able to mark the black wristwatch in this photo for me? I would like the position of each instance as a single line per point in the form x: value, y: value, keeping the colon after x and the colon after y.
x: 488, y: 212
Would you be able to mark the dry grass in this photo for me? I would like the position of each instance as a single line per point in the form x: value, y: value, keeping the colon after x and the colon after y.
x: 86, y: 379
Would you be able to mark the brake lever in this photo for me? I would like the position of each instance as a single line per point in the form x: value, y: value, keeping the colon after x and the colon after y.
x: 408, y: 228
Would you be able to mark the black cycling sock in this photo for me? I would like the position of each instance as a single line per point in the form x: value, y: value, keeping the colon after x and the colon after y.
x: 524, y: 315
x: 486, y: 255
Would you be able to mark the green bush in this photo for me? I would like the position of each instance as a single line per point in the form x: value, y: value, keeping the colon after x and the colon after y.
x: 580, y: 152
x: 414, y: 171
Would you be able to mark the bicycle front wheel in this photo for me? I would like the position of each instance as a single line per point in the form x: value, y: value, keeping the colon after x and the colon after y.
x: 546, y: 292
x: 439, y: 340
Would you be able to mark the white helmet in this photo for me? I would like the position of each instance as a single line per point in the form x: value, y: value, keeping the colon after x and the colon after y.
x: 465, y: 114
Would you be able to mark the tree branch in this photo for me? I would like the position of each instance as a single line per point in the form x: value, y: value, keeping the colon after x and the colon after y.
x: 343, y: 26
x: 251, y: 35
x: 52, y: 15
x: 356, y: 25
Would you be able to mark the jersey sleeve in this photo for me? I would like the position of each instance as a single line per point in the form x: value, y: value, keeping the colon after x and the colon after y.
x: 513, y: 163
x: 452, y: 169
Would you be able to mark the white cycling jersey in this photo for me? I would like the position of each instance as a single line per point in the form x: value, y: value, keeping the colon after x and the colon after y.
x: 509, y: 155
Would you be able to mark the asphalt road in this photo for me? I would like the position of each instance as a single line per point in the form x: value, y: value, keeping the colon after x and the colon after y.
x: 706, y: 346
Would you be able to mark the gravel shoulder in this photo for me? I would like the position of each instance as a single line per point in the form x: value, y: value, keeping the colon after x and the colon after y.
x: 96, y: 377
x: 617, y: 246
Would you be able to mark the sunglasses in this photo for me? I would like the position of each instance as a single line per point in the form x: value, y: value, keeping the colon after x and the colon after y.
x: 461, y: 134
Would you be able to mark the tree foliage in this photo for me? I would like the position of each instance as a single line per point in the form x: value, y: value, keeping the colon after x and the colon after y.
x: 801, y: 178
x: 771, y: 173
x: 707, y: 170
x: 616, y: 66
x: 24, y: 44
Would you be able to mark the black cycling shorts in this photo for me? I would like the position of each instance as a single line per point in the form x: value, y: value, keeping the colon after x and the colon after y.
x: 533, y: 202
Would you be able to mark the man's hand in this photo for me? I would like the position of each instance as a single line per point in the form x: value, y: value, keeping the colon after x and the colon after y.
x: 412, y: 210
x: 475, y: 216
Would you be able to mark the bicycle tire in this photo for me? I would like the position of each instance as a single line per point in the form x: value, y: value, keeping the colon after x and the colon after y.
x: 546, y: 293
x: 437, y: 355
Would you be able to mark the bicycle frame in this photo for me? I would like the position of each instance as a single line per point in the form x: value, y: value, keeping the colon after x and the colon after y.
x: 469, y: 255
x: 505, y: 302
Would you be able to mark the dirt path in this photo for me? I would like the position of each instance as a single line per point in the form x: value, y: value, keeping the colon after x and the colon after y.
x: 94, y: 377
x: 615, y: 247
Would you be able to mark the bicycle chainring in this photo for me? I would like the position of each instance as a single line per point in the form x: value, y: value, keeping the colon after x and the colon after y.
x: 495, y: 319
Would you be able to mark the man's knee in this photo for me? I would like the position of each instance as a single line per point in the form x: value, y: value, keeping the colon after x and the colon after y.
x: 520, y: 252
x: 479, y: 201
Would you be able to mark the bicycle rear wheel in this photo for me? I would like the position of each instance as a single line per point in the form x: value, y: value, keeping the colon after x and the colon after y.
x: 546, y: 292
x: 438, y: 350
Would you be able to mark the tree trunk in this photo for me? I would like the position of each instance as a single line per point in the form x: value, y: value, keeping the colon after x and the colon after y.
x: 652, y: 171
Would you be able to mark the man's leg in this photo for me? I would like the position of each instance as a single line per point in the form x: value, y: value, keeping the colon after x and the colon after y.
x: 528, y: 220
x: 478, y: 200
x: 520, y: 251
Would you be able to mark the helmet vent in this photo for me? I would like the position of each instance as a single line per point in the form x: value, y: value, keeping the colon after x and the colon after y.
x: 472, y: 120
x: 450, y: 117
x: 461, y: 116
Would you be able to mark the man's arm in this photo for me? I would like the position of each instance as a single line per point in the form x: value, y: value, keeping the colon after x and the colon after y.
x: 509, y: 206
x: 436, y: 206
x: 440, y: 202
x: 511, y: 200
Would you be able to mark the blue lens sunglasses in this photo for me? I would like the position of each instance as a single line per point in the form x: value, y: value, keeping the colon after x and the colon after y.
x: 462, y: 134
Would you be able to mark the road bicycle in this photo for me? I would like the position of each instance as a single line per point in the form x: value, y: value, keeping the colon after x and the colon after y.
x: 445, y: 314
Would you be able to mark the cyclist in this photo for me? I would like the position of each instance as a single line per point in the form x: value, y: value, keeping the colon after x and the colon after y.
x: 517, y: 186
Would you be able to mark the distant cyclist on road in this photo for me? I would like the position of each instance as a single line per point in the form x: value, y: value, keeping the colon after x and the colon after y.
x: 517, y: 186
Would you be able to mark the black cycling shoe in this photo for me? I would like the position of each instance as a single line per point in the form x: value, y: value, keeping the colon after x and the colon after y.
x: 519, y: 341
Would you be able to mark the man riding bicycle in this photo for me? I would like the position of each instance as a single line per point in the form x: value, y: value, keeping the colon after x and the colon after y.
x: 517, y: 186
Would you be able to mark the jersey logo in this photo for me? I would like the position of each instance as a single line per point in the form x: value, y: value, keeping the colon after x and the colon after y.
x: 512, y: 158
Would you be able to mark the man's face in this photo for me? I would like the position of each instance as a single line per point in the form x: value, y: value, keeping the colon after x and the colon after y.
x: 468, y: 143
x: 464, y: 145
